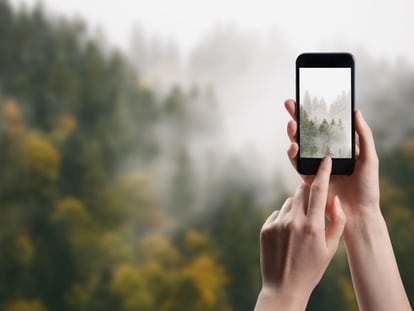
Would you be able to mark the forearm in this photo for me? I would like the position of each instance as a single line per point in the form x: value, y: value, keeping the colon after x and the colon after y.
x: 374, y: 270
x: 273, y: 300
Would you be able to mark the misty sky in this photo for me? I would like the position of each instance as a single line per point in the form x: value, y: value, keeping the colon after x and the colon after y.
x: 252, y: 100
x: 381, y: 27
x: 327, y: 83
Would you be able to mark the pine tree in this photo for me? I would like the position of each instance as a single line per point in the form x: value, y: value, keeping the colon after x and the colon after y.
x: 307, y: 102
x: 324, y: 127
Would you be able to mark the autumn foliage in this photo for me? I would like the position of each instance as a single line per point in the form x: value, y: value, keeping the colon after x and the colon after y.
x: 103, y: 206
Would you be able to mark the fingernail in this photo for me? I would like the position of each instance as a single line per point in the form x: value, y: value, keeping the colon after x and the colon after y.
x: 326, y: 160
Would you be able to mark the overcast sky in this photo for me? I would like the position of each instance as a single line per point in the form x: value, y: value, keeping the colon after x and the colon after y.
x: 252, y: 104
x: 326, y: 83
x: 383, y: 28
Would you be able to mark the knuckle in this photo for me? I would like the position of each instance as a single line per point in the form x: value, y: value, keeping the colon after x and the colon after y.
x: 269, y: 230
x: 266, y: 228
x: 311, y: 228
x: 264, y: 232
x: 317, y: 187
x: 289, y: 201
x: 292, y: 226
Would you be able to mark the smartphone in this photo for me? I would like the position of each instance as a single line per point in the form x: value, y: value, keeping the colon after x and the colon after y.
x: 325, y: 108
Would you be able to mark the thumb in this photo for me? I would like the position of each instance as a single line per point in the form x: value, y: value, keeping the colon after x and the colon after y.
x: 336, y: 225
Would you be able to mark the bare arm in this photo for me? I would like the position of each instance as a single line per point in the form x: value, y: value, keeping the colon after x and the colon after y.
x: 374, y: 270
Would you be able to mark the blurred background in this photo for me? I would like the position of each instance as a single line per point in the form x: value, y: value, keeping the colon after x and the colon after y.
x: 142, y: 145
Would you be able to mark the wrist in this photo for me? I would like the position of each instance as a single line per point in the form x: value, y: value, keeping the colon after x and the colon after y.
x: 363, y: 226
x: 273, y: 298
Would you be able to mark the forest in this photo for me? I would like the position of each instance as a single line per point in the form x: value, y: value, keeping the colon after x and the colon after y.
x: 106, y: 206
x: 322, y: 129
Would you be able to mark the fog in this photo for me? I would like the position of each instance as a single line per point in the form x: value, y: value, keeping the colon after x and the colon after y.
x: 252, y: 74
x: 143, y: 145
x: 244, y: 54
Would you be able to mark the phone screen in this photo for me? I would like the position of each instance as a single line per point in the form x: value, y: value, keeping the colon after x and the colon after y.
x: 325, y: 112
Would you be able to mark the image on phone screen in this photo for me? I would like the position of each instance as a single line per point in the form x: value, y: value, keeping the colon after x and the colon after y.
x: 325, y: 112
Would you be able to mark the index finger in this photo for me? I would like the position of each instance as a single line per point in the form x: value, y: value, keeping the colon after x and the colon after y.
x: 319, y: 190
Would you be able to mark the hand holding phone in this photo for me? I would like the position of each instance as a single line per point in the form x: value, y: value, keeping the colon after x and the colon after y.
x: 325, y: 97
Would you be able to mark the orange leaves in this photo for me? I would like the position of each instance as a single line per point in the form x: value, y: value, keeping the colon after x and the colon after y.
x: 67, y: 122
x: 11, y: 111
x: 408, y: 147
x: 13, y: 118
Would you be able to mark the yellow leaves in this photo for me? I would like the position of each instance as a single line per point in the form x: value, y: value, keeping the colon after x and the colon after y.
x: 130, y: 285
x: 196, y: 242
x: 25, y: 305
x: 126, y: 276
x: 114, y: 246
x: 24, y: 249
x: 70, y: 211
x: 156, y: 246
x: 43, y: 160
x: 195, y: 238
x: 137, y: 188
x: 140, y: 201
x: 166, y: 280
x: 207, y: 276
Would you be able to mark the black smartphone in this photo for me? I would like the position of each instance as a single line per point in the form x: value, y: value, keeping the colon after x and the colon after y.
x: 325, y: 94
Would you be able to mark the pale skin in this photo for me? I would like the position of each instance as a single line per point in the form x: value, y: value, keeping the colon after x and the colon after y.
x: 376, y: 279
x: 295, y: 246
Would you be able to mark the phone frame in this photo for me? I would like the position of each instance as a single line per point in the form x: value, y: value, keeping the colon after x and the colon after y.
x: 340, y: 166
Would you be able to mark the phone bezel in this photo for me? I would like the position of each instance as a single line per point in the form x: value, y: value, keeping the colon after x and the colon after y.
x: 340, y: 166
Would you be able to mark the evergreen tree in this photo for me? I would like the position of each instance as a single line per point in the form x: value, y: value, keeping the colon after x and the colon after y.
x: 324, y: 128
x: 307, y: 105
